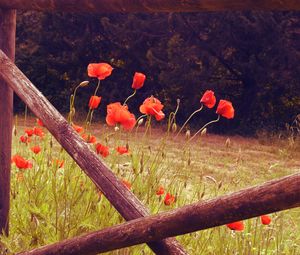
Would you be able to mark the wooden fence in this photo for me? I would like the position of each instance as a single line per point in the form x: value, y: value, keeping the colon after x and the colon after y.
x: 273, y: 196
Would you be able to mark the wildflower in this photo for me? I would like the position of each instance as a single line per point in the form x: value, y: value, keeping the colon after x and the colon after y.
x: 84, y: 84
x: 138, y: 80
x: 36, y: 149
x: 38, y: 132
x: 24, y: 139
x: 122, y: 150
x: 126, y: 183
x: 169, y: 199
x: 102, y: 150
x: 39, y: 122
x: 208, y: 99
x: 77, y: 128
x: 265, y: 219
x: 94, y: 102
x: 20, y: 162
x: 99, y: 70
x: 59, y: 163
x: 160, y: 191
x: 29, y: 132
x: 117, y: 113
x: 237, y: 226
x: 152, y: 106
x: 225, y: 109
x: 89, y: 138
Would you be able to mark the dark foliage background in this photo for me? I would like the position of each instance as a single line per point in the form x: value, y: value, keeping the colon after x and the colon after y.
x: 250, y: 58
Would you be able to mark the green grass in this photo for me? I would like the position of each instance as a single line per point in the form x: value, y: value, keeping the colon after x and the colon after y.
x: 52, y: 204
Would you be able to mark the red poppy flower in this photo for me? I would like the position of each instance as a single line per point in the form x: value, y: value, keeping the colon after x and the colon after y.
x: 99, y: 70
x: 21, y: 163
x: 169, y: 199
x: 38, y: 132
x: 24, y: 139
x: 160, y: 191
x: 138, y: 80
x: 126, y: 183
x: 59, y: 163
x: 117, y: 113
x: 208, y: 99
x: 36, y: 149
x: 265, y: 219
x: 94, y: 102
x: 225, y: 109
x: 77, y: 128
x: 89, y: 138
x: 102, y: 150
x: 152, y: 106
x: 237, y: 226
x: 39, y: 122
x: 122, y: 150
x: 29, y: 132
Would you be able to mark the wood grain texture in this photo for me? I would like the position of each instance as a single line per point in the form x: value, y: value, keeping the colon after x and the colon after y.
x: 270, y: 197
x: 120, y: 197
x: 102, y: 6
x: 7, y: 44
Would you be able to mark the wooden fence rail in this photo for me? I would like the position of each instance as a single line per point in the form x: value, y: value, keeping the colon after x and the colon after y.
x: 101, y: 6
x: 270, y: 197
x: 120, y: 197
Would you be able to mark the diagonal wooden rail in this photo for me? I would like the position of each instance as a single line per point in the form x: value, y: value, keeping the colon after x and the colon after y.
x: 126, y: 203
x: 270, y: 197
x: 102, y: 6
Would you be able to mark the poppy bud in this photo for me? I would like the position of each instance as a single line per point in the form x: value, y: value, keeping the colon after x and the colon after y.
x: 203, y: 132
x: 227, y: 143
x: 188, y: 134
x: 84, y: 84
x: 140, y: 122
x: 174, y: 127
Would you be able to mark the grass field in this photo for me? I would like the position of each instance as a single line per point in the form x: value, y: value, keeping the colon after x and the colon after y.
x: 51, y: 203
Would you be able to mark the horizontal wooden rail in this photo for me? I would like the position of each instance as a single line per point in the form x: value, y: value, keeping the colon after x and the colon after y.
x: 102, y: 6
x: 270, y: 197
x: 120, y: 197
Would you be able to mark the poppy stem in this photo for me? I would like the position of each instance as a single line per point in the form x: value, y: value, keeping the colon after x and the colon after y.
x: 172, y: 116
x: 189, y: 119
x: 72, y: 102
x: 148, y: 125
x: 132, y: 95
x: 213, y: 121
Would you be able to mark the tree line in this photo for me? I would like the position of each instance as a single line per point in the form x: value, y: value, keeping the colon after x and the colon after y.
x: 249, y: 58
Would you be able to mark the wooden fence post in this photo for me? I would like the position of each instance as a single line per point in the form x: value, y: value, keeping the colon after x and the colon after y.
x: 270, y: 197
x: 7, y: 44
x: 126, y: 203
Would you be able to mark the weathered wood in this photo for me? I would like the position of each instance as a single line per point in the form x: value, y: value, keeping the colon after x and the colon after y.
x: 270, y: 197
x: 7, y: 44
x: 121, y: 198
x: 101, y: 6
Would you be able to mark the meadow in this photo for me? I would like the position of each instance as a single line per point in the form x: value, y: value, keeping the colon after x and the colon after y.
x: 52, y: 199
x: 52, y: 202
